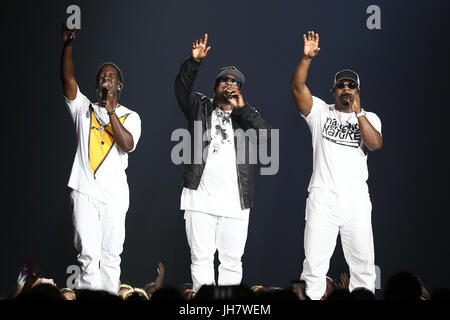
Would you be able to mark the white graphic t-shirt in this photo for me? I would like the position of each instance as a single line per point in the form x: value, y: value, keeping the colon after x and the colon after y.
x: 339, y: 160
x: 99, y: 166
x: 218, y: 192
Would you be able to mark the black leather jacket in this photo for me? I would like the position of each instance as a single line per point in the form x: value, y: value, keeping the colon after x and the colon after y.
x: 197, y: 107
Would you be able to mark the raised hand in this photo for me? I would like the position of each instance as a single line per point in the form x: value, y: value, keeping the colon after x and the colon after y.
x: 344, y: 281
x: 311, y: 48
x: 68, y: 36
x: 160, y: 278
x: 199, y: 49
x: 32, y: 277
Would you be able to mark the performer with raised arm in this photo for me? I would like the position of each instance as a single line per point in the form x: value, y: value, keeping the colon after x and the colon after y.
x: 218, y: 191
x: 106, y: 133
x: 338, y: 201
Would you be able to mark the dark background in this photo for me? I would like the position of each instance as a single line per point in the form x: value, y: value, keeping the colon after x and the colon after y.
x: 404, y: 76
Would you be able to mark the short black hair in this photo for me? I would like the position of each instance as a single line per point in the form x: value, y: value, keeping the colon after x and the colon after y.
x: 403, y: 286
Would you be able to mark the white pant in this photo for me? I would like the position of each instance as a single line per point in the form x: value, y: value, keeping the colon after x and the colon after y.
x: 99, y: 237
x: 328, y: 214
x: 207, y: 233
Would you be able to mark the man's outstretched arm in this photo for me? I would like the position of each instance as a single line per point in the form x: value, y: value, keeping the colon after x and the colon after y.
x: 68, y: 81
x: 300, y: 92
x: 184, y: 81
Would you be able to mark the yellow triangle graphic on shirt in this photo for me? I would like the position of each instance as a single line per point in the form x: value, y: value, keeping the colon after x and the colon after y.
x: 101, y: 140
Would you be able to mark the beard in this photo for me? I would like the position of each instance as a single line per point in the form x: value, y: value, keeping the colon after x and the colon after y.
x: 221, y: 97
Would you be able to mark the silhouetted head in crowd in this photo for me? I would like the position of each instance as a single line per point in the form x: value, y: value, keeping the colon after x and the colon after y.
x: 166, y: 294
x: 43, y: 291
x: 441, y: 294
x: 257, y: 290
x: 136, y: 294
x: 403, y: 286
x: 339, y: 294
x: 123, y: 289
x: 210, y: 292
x: 92, y: 295
x: 68, y: 294
x: 278, y: 294
x: 362, y: 294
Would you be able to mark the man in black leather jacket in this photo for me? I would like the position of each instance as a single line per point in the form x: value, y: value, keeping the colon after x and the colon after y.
x: 218, y: 180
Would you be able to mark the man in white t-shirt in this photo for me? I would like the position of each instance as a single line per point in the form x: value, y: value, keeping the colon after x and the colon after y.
x: 217, y: 195
x: 338, y: 202
x: 106, y: 132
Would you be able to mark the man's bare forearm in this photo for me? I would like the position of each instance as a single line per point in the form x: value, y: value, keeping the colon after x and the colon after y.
x: 370, y: 136
x: 300, y: 92
x: 67, y: 73
x: 123, y: 138
x: 301, y: 73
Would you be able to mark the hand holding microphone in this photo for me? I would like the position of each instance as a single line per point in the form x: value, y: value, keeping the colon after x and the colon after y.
x: 234, y: 96
x: 354, y: 101
x: 231, y: 96
x: 347, y: 98
x: 104, y: 94
x: 108, y: 100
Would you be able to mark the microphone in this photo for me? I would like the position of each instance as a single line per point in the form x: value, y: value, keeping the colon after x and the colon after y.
x: 229, y: 96
x: 349, y: 95
x: 104, y: 94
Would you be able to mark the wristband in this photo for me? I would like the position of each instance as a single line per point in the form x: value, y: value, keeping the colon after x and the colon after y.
x: 111, y: 112
x: 361, y: 114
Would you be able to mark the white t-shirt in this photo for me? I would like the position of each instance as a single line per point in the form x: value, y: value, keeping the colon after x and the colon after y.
x: 339, y: 161
x: 109, y: 182
x: 218, y: 191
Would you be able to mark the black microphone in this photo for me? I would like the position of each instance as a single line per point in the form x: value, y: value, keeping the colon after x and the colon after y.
x: 349, y: 95
x: 230, y: 96
x: 104, y: 94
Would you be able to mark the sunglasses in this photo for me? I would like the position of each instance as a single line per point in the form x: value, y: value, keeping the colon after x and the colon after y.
x: 234, y: 81
x: 350, y: 85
